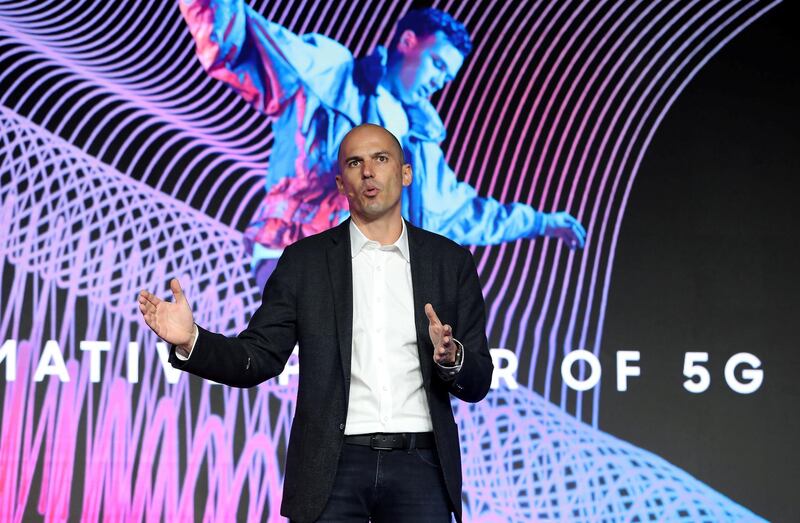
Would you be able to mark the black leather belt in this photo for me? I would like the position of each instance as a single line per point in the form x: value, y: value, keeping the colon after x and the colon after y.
x: 393, y: 441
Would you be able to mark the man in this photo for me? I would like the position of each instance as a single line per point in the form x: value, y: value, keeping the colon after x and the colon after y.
x: 373, y: 435
x: 316, y: 92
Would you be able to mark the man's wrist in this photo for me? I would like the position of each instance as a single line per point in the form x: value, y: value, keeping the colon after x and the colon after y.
x: 458, y: 358
x: 448, y: 372
x: 185, y: 350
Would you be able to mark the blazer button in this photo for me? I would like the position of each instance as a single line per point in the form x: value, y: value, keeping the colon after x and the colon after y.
x: 341, y: 426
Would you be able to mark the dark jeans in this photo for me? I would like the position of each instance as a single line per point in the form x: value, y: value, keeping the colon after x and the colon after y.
x: 387, y: 486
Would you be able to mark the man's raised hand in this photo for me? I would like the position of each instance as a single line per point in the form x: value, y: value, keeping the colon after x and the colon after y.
x: 444, y: 348
x: 563, y: 226
x: 171, y: 321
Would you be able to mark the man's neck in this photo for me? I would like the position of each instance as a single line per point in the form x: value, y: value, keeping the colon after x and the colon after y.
x: 385, y: 231
x: 389, y: 76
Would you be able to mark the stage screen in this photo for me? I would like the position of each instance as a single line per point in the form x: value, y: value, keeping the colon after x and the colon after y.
x: 647, y: 375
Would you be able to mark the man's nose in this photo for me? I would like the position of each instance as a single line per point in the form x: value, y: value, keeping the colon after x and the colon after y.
x: 366, y: 171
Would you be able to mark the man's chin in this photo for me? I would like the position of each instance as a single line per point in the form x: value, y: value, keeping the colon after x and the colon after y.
x: 419, y: 98
x: 411, y: 98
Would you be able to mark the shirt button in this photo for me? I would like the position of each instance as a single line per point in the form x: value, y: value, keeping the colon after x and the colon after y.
x: 385, y: 387
x: 378, y: 268
x: 341, y: 426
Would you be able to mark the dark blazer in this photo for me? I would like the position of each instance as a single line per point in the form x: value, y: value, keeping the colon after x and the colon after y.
x: 309, y: 300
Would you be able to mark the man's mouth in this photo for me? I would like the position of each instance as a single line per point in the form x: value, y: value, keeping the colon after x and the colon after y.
x: 371, y: 191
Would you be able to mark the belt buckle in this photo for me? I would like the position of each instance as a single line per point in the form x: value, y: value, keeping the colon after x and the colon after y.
x: 376, y: 445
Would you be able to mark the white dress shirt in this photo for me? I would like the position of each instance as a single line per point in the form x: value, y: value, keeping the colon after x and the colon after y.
x: 386, y: 391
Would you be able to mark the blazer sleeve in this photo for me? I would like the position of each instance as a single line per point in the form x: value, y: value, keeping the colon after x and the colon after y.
x: 473, y: 380
x: 260, y: 351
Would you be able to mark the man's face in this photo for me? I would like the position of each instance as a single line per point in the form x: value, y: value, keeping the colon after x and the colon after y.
x: 426, y: 65
x: 372, y: 173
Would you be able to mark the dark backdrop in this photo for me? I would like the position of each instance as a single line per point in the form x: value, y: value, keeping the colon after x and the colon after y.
x: 707, y: 261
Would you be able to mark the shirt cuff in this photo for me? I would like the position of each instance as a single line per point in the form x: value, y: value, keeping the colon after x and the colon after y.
x: 449, y: 372
x: 182, y: 352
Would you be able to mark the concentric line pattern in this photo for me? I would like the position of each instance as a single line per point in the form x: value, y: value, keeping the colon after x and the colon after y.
x: 568, y: 96
x: 104, y: 235
x: 81, y: 239
x: 555, y: 107
x: 564, y: 95
x: 120, y: 81
x: 529, y: 461
x: 524, y: 459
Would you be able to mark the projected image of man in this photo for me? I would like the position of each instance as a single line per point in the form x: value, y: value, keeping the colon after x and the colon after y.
x: 316, y: 91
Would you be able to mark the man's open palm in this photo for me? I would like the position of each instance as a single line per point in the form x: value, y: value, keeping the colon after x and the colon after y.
x: 171, y: 321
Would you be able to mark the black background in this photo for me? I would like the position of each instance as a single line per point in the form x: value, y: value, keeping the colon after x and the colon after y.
x: 707, y: 261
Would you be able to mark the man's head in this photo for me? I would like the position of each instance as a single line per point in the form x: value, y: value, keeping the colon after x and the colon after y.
x: 372, y: 173
x: 427, y: 51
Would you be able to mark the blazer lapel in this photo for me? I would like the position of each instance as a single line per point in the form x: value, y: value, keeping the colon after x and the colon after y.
x: 340, y: 271
x: 422, y: 285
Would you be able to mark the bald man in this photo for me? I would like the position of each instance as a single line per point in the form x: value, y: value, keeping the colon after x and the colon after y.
x: 390, y: 323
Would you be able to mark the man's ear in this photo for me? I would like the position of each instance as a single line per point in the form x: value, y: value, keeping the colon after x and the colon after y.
x: 408, y: 175
x: 339, y: 184
x: 408, y: 41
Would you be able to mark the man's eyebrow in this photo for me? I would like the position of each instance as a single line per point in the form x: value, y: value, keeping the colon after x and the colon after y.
x: 446, y: 65
x: 372, y: 155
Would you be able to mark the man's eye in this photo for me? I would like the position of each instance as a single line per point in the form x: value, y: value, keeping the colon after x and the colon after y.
x: 383, y: 159
x: 352, y: 163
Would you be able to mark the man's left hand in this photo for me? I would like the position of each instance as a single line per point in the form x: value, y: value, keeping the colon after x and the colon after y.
x: 444, y: 348
x: 563, y: 226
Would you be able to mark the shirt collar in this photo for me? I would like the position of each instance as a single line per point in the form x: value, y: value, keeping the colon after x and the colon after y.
x: 358, y: 241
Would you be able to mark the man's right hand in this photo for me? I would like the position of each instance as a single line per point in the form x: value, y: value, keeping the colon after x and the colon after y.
x: 171, y: 321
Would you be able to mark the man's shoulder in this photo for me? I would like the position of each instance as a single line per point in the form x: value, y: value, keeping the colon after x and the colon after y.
x: 431, y: 241
x: 317, y: 241
x: 425, y: 241
x: 326, y: 71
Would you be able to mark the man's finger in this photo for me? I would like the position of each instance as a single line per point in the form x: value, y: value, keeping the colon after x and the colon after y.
x: 151, y: 298
x: 443, y: 355
x: 578, y: 238
x: 580, y: 233
x: 581, y: 229
x: 431, y: 314
x: 570, y: 236
x: 177, y: 292
x: 145, y: 303
x: 447, y: 335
